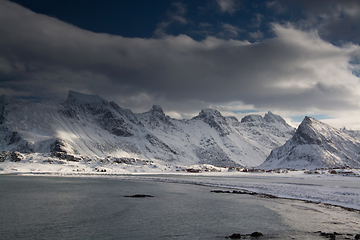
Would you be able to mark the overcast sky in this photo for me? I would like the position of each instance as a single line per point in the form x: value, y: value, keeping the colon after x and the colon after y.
x: 293, y: 58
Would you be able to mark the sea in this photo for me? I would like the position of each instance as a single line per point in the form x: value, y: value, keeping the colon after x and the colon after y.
x: 44, y: 207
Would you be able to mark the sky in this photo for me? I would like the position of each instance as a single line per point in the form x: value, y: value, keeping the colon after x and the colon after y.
x: 294, y: 58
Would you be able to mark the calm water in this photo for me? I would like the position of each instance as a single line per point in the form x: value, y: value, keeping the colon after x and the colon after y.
x: 88, y: 208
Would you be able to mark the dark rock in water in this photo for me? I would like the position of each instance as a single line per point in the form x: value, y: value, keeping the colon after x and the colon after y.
x: 334, y: 234
x: 234, y: 192
x: 139, y: 196
x: 256, y: 234
x: 235, y: 236
x: 244, y: 192
x: 252, y: 235
x: 220, y: 191
x: 328, y: 235
x: 357, y: 236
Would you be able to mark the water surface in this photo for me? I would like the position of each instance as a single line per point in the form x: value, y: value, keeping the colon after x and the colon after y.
x: 87, y: 208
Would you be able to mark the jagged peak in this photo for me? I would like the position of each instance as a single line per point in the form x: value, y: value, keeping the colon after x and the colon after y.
x: 273, y: 118
x: 214, y: 119
x: 208, y: 112
x: 156, y: 108
x: 307, y: 119
x: 84, y: 98
x: 310, y: 122
x: 307, y: 122
x: 252, y: 118
x: 312, y: 131
x: 269, y: 118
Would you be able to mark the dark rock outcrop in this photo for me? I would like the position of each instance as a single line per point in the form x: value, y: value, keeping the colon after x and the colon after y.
x: 244, y: 236
x: 139, y: 196
x: 12, y: 156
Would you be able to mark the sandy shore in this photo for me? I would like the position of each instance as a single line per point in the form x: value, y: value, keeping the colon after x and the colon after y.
x: 316, y: 219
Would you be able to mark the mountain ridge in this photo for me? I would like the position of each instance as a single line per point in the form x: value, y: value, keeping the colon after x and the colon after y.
x: 88, y: 125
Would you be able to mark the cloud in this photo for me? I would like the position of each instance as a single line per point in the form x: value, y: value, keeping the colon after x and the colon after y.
x: 205, y: 25
x: 228, y: 6
x: 344, y: 21
x: 336, y: 21
x: 229, y: 31
x: 179, y: 12
x: 176, y: 14
x: 256, y: 35
x: 296, y: 71
x: 257, y: 20
x: 278, y: 7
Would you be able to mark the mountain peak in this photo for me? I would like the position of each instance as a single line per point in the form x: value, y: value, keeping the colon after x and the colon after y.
x: 268, y: 118
x: 312, y: 131
x: 252, y: 118
x: 155, y: 111
x: 273, y: 118
x: 214, y: 119
x: 84, y: 98
x: 316, y: 144
x: 208, y: 112
x: 308, y: 120
x: 157, y: 108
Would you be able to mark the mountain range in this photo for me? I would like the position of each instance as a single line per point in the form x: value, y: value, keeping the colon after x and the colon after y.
x: 88, y: 125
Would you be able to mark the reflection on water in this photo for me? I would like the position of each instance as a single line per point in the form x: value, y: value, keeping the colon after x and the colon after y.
x: 80, y: 208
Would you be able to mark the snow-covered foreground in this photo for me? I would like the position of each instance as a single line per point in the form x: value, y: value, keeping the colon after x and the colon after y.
x: 322, y: 186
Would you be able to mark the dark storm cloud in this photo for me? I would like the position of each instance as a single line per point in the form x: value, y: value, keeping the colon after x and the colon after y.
x: 43, y: 56
x: 335, y: 20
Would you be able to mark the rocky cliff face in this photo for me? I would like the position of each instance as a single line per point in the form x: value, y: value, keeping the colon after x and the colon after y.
x: 90, y: 126
x: 315, y: 145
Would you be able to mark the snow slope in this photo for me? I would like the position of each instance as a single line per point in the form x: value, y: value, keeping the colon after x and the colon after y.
x: 87, y: 125
x: 316, y: 145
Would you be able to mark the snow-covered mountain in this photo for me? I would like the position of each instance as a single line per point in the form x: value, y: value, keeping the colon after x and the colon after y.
x: 316, y: 145
x: 87, y: 125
